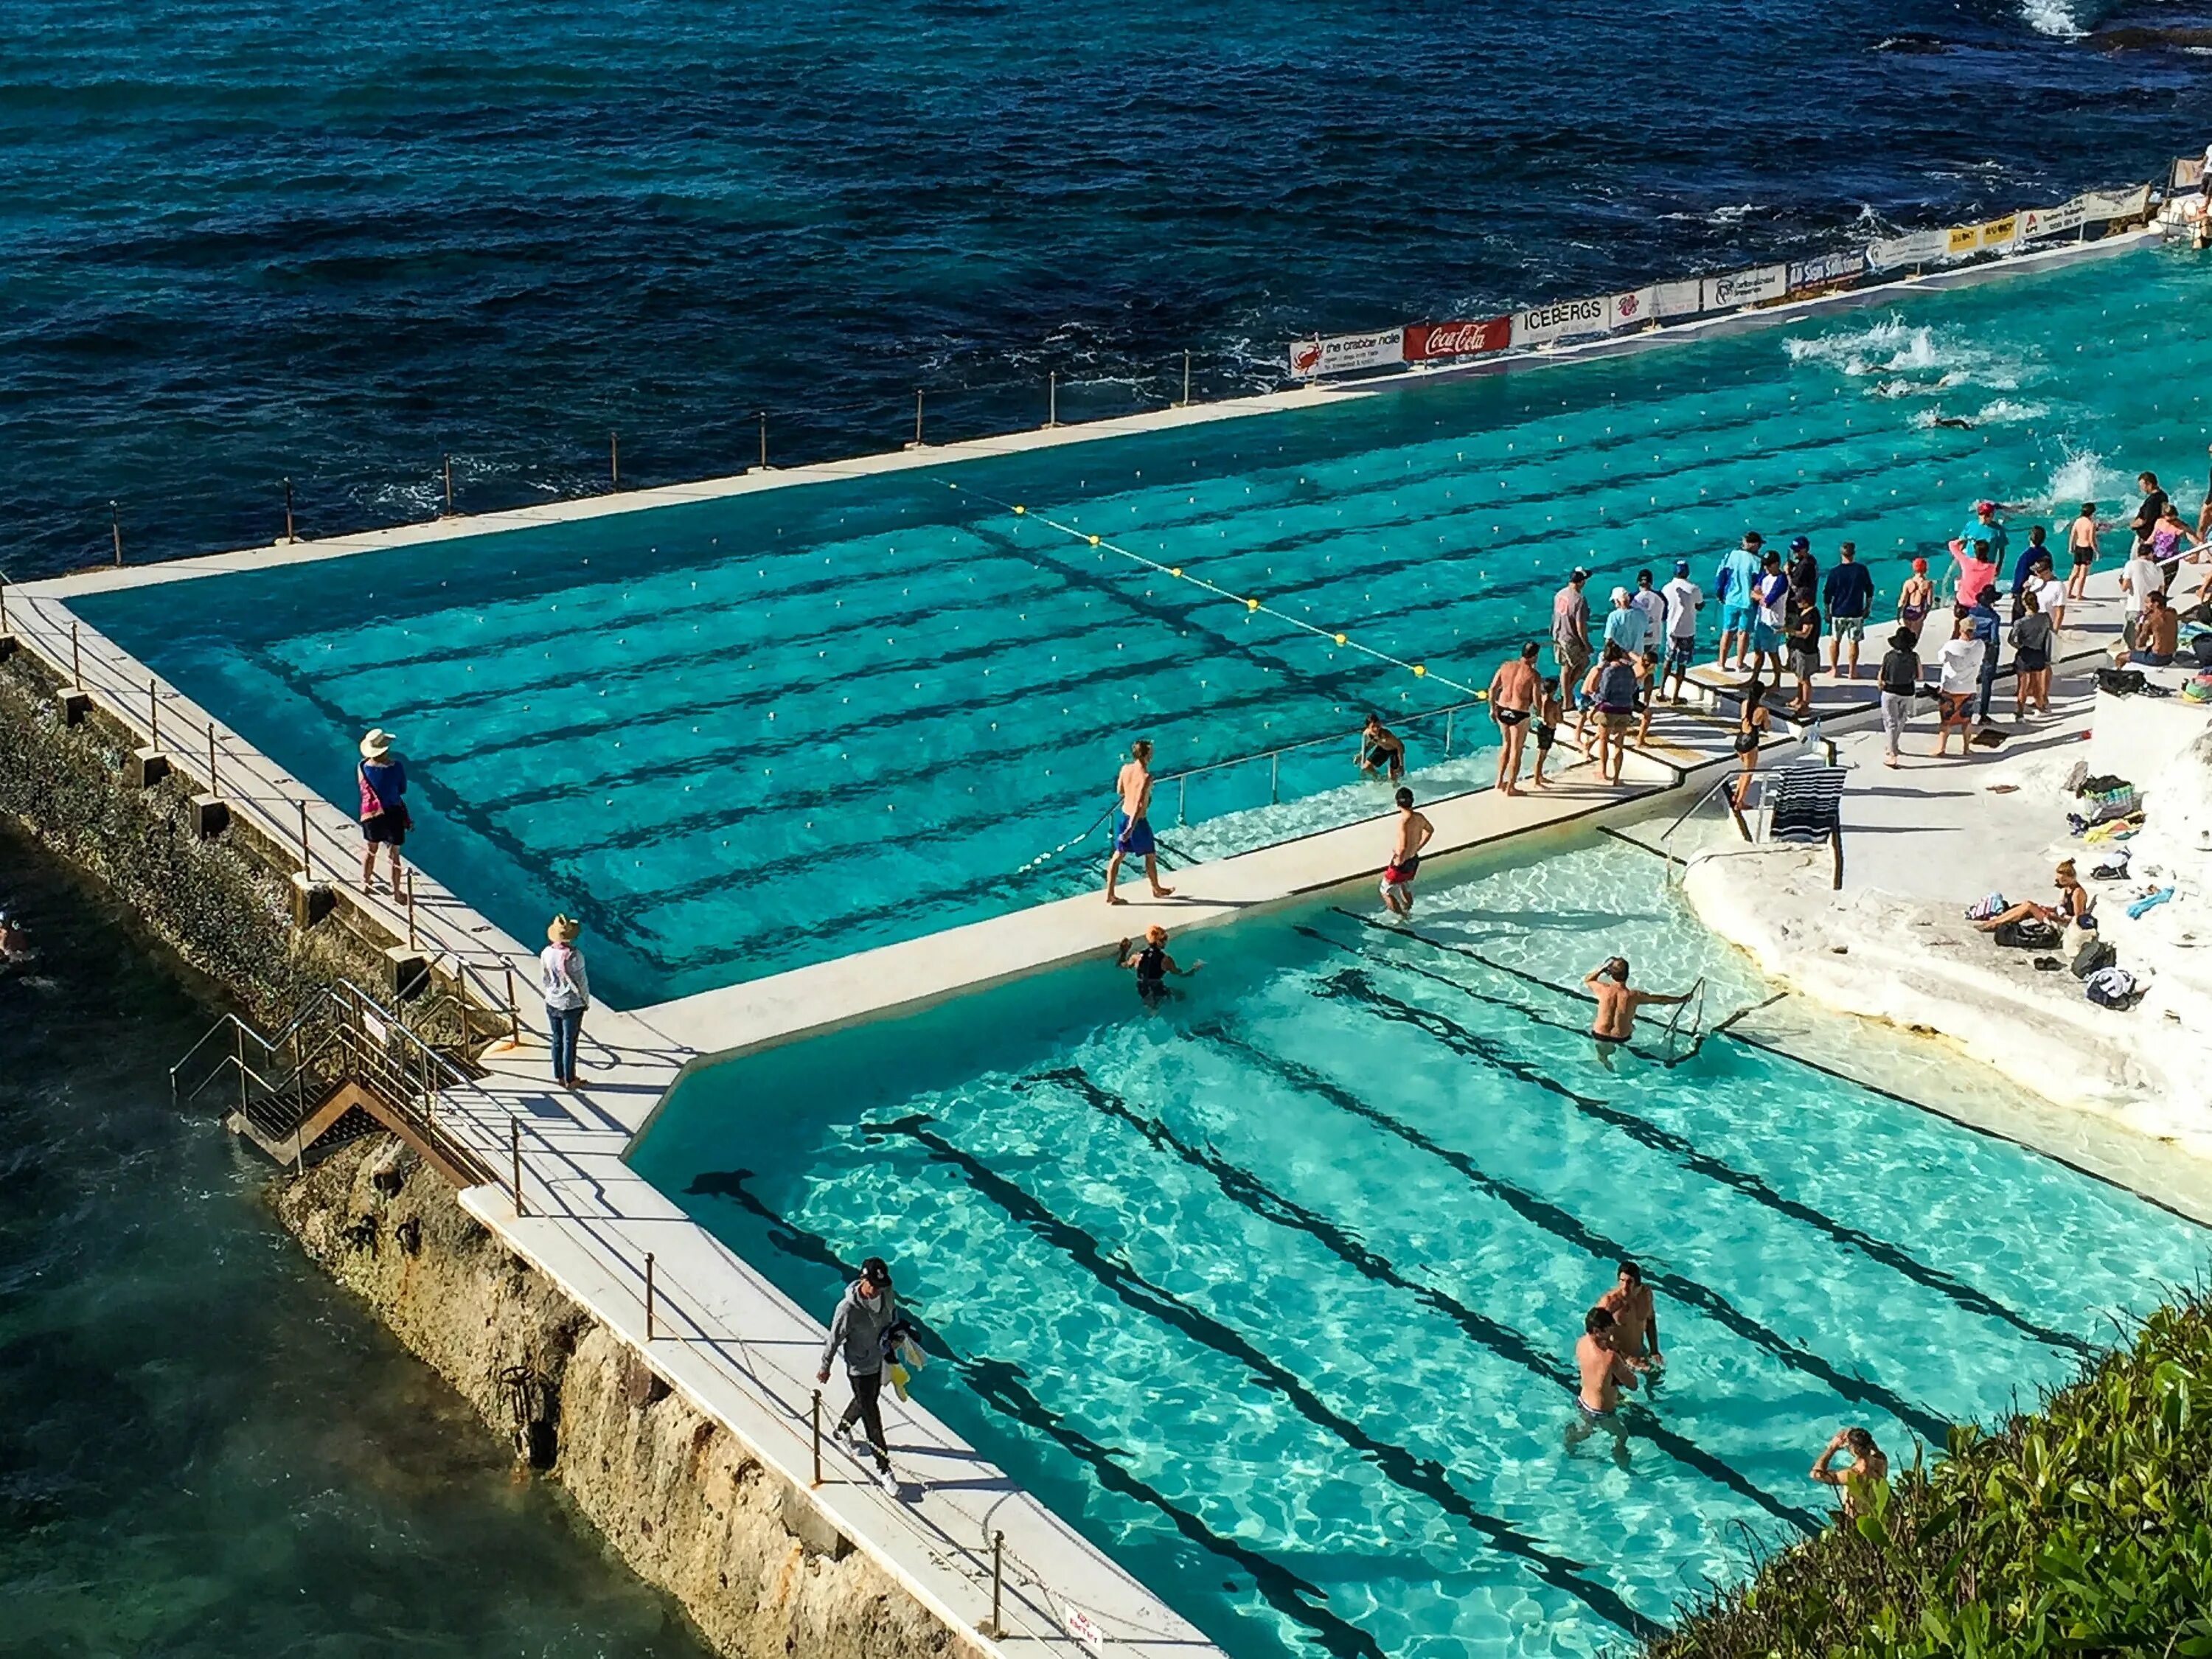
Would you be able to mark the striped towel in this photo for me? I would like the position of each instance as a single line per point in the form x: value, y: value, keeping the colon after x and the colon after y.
x: 1806, y: 802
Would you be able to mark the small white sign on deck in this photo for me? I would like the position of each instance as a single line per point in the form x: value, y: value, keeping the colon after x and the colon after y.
x: 1084, y: 1629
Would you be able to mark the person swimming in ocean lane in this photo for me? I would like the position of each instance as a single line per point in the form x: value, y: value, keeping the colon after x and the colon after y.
x: 1153, y: 965
x: 1133, y: 831
x: 1617, y: 1003
x: 1602, y: 1372
x: 1380, y: 750
x: 1412, y: 834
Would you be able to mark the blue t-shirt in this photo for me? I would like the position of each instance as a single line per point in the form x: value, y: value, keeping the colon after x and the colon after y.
x: 1849, y: 591
x: 1994, y: 534
x: 1739, y: 572
x: 387, y: 781
x: 2020, y: 566
x: 1624, y: 628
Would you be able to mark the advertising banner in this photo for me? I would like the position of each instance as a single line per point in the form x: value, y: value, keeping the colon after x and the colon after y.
x: 1746, y: 288
x: 2188, y: 172
x: 1826, y: 270
x: 2126, y: 205
x: 1997, y: 235
x: 1960, y: 241
x: 1341, y: 353
x: 1683, y: 298
x: 1541, y: 325
x: 1921, y: 247
x: 1632, y: 309
x: 1426, y: 342
x: 2038, y: 222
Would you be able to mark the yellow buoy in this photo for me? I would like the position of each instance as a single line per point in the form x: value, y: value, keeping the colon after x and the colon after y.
x: 1418, y: 671
x: 1094, y: 541
x: 1251, y: 604
x: 1177, y: 571
x: 1482, y: 696
x: 1019, y: 510
x: 1340, y: 639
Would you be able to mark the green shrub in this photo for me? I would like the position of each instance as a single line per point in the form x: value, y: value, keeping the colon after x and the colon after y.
x: 2081, y: 1529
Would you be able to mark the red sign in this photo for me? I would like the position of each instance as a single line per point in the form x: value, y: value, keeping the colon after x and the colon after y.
x: 1426, y: 341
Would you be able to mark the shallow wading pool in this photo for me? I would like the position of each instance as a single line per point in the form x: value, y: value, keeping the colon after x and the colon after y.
x: 748, y: 733
x: 1274, y: 1293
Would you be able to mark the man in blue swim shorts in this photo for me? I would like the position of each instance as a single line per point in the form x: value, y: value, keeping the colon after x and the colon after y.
x: 1133, y: 833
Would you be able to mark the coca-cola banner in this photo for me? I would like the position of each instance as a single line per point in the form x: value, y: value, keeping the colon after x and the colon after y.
x: 1682, y: 299
x: 1541, y: 325
x: 2038, y: 223
x: 1826, y: 270
x: 1339, y: 353
x: 2127, y: 205
x: 1426, y: 342
x: 1921, y: 247
x: 1746, y: 288
x: 1632, y: 309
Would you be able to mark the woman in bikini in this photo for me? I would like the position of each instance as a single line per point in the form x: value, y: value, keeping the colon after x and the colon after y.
x: 1916, y: 599
x: 1752, y: 727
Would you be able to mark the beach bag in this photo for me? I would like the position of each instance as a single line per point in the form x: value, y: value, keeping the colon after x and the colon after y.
x: 2106, y: 804
x: 2120, y: 682
x: 2198, y: 689
x: 1990, y: 905
x: 2111, y: 987
x: 2028, y: 934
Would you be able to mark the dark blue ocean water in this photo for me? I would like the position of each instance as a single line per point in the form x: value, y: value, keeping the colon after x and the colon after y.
x: 240, y: 240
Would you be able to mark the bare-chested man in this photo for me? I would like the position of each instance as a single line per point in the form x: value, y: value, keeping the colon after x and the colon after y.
x: 1869, y: 1468
x: 1411, y: 834
x: 1132, y: 832
x: 1604, y: 1372
x: 1512, y: 699
x: 1617, y: 1002
x: 1635, y: 1321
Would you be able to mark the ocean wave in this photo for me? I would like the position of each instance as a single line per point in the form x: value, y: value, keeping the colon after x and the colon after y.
x: 2053, y: 17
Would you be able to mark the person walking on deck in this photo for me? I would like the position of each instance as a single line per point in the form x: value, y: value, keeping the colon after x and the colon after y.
x: 1914, y: 599
x: 1898, y: 678
x: 567, y: 991
x: 1413, y: 833
x: 1613, y: 688
x: 865, y: 1313
x: 1512, y: 700
x: 1132, y: 829
x: 1989, y: 629
x: 2081, y: 544
x: 1570, y: 638
x: 385, y: 820
x: 1849, y: 594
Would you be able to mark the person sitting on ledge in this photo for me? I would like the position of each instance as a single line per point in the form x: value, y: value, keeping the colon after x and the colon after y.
x: 2158, y: 633
x: 1869, y: 1468
x: 2074, y: 902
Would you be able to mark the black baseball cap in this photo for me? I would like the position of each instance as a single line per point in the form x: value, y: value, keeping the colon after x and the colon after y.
x: 1799, y: 544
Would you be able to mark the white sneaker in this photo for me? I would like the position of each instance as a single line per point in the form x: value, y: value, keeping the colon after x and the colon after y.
x: 888, y: 1480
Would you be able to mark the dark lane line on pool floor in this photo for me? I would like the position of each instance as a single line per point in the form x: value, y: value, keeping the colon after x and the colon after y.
x: 1565, y: 1227
x: 1356, y: 984
x: 1421, y: 1475
x: 998, y: 1384
x: 1242, y: 1187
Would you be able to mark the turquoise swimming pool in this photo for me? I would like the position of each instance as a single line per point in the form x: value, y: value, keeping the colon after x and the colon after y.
x: 742, y: 735
x: 1274, y: 1294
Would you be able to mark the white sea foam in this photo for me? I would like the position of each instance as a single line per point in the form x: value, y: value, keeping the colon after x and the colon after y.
x: 2082, y: 475
x: 2053, y: 17
x: 2005, y: 411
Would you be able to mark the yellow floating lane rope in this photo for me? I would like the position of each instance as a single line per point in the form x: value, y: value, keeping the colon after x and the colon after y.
x: 1252, y: 606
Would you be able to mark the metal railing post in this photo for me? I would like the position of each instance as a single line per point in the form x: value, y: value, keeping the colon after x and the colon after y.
x: 1052, y: 404
x: 917, y: 418
x: 514, y: 1008
x: 449, y: 486
x: 1185, y: 403
x: 648, y: 1295
x: 514, y: 1157
x: 1182, y: 797
x: 817, y: 1437
x: 307, y: 862
x: 763, y: 440
x: 410, y: 908
x: 288, y: 537
x: 614, y: 458
x: 76, y: 660
x: 998, y: 1583
x: 153, y: 713
x: 115, y: 526
x: 1448, y: 732
x: 1275, y: 779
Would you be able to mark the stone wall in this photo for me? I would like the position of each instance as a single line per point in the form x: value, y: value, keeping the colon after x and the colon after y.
x: 756, y: 1565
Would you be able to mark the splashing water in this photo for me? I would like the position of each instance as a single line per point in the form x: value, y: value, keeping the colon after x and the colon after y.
x: 2083, y: 476
x: 1893, y: 348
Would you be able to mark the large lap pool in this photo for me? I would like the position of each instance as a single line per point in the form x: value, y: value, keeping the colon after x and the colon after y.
x: 1274, y: 1294
x: 741, y: 735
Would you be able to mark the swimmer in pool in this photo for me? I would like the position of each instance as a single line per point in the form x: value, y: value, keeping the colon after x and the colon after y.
x: 1380, y: 750
x: 1153, y: 965
x: 1603, y: 1373
x: 1869, y: 1468
x: 1617, y: 1003
x: 1635, y: 1321
x: 1412, y: 834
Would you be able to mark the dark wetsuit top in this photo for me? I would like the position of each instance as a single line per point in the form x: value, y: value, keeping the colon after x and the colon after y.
x: 1151, y: 973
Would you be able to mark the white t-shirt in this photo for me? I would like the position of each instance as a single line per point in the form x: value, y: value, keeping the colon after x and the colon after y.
x: 1683, y: 598
x: 1959, y: 668
x: 2051, y: 596
x: 2142, y: 576
x: 1653, y: 604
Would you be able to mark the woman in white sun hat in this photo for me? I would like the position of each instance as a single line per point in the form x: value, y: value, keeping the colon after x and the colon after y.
x: 567, y: 993
x: 384, y: 818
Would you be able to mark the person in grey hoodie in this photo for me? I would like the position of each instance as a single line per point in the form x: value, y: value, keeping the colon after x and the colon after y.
x: 864, y: 1313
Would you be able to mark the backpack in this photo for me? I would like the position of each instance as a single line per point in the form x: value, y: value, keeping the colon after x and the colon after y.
x: 2121, y: 682
x: 2111, y: 987
x: 2028, y: 934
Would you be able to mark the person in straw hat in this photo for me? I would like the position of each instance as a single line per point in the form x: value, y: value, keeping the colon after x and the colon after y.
x: 567, y: 993
x: 384, y: 818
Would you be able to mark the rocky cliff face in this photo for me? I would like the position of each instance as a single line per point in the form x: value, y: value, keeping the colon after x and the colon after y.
x: 680, y: 1499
